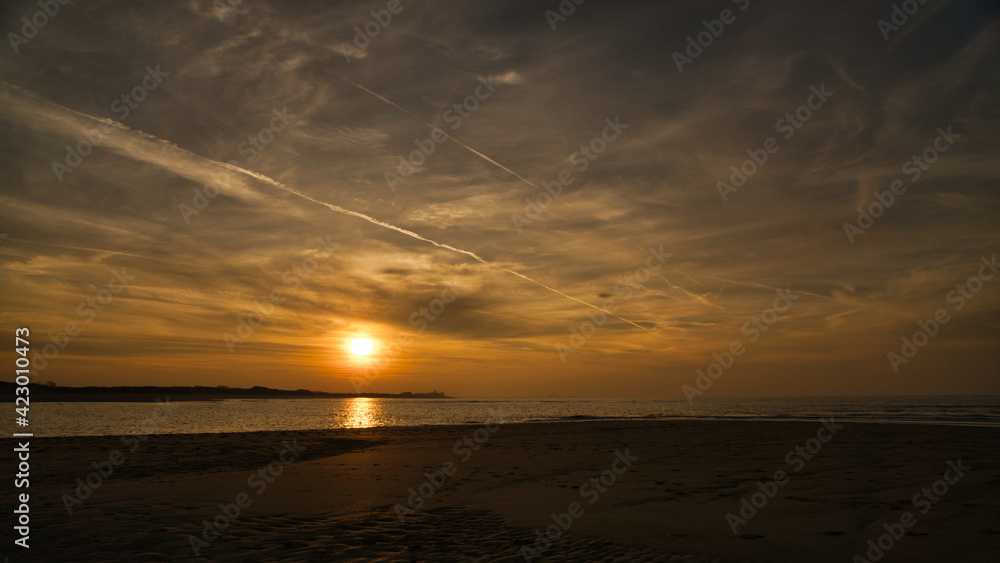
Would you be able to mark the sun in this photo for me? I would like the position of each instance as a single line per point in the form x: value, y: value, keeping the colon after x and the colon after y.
x: 362, y: 346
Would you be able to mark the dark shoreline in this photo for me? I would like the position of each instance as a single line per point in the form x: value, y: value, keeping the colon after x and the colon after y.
x: 144, y: 394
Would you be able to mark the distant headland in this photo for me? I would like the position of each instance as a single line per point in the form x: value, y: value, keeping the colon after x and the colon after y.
x: 39, y: 392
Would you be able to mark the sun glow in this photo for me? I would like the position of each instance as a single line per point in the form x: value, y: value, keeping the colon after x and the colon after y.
x: 362, y: 346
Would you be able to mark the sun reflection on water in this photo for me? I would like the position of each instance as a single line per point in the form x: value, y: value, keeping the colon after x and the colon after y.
x: 362, y: 412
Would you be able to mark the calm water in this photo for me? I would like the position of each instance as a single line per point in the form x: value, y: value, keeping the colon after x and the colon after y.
x: 92, y: 419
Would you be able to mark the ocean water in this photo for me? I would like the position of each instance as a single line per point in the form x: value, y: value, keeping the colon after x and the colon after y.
x: 115, y: 419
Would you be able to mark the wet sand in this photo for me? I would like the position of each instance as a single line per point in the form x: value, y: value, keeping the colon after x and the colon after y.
x: 623, y: 491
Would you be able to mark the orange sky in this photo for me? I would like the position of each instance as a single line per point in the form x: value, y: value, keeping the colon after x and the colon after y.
x: 552, y: 181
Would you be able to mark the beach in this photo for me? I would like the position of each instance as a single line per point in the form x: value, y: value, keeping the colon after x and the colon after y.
x: 601, y: 490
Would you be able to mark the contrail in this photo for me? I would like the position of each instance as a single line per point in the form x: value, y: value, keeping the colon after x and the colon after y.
x: 98, y: 250
x: 686, y: 276
x: 345, y: 211
x: 676, y: 270
x: 415, y: 116
x: 433, y: 128
x: 700, y: 298
x: 755, y: 284
x: 522, y: 276
x: 752, y: 284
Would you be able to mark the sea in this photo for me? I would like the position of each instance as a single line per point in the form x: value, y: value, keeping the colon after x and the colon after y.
x: 253, y: 415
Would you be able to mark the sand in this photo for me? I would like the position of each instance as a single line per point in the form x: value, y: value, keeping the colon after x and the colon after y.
x: 668, y: 487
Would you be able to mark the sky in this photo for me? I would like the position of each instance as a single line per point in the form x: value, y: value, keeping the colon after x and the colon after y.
x: 505, y: 199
